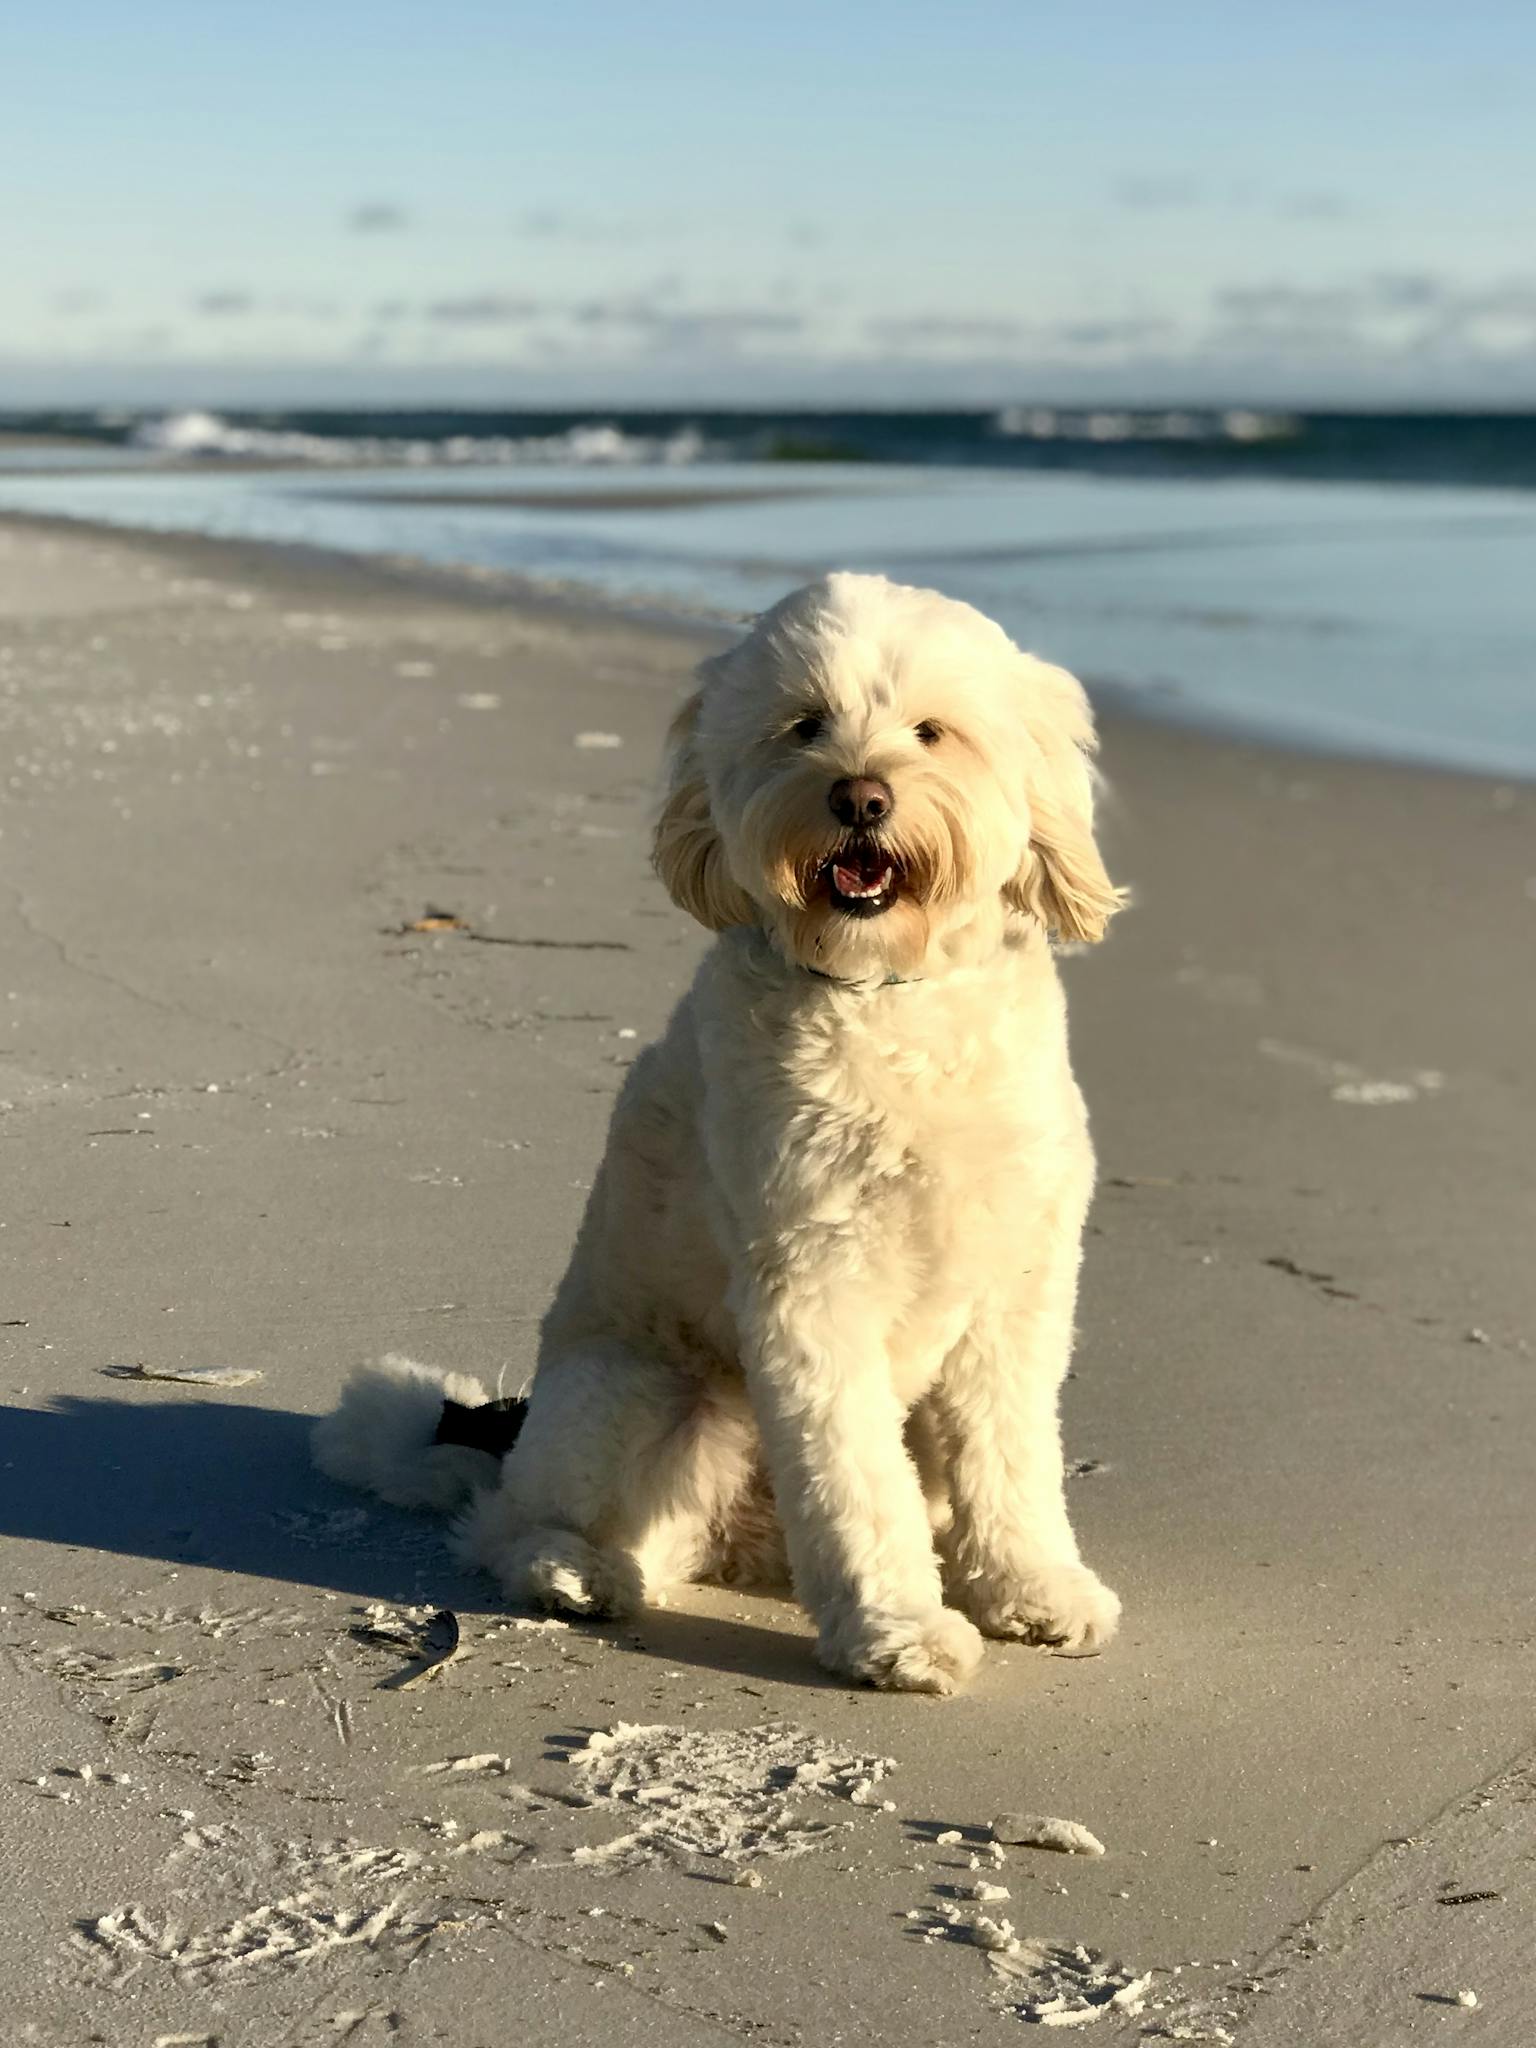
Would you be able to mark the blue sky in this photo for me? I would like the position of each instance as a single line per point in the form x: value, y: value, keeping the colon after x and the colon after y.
x: 684, y: 203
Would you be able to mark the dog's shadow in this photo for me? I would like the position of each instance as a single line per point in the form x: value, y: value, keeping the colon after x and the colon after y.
x: 225, y: 1486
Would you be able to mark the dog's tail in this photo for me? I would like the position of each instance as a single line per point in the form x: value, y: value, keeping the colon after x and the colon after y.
x: 414, y: 1436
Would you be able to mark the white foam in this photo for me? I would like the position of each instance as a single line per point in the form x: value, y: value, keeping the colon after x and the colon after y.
x: 597, y: 444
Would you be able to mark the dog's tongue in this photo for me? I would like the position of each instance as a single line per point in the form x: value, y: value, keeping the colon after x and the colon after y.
x: 861, y: 871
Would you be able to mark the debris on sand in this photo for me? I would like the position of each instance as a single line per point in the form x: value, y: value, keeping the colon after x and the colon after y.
x: 592, y: 742
x: 1051, y: 1985
x: 484, y: 1760
x: 731, y: 1793
x: 1044, y: 1831
x: 189, y: 1376
x: 1069, y: 1987
x: 433, y: 920
x: 292, y: 1930
x: 436, y: 1648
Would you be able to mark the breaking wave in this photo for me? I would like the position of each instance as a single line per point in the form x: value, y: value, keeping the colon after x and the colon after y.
x: 597, y: 443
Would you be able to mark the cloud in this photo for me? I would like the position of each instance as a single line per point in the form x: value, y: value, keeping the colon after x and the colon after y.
x: 1290, y: 304
x: 1157, y: 192
x: 923, y: 330
x: 1386, y: 321
x: 76, y: 301
x: 1127, y: 333
x: 916, y: 334
x: 483, y: 309
x: 1406, y: 291
x: 728, y: 328
x: 1315, y: 206
x: 225, y: 305
x: 553, y: 224
x: 671, y: 329
x: 377, y: 217
x: 1178, y: 192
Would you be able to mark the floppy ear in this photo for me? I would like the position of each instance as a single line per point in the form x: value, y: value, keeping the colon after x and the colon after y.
x: 1062, y: 879
x: 686, y: 849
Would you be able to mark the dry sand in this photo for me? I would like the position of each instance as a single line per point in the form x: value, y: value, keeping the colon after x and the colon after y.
x: 250, y: 1124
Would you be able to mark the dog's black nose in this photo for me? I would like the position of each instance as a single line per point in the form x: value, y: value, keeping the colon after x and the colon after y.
x: 859, y: 800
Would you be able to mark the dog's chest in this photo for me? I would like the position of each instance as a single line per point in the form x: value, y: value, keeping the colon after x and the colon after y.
x: 925, y: 1114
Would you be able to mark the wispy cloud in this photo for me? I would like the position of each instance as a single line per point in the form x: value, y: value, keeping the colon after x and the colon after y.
x: 1132, y: 332
x: 230, y: 304
x: 377, y: 217
x: 483, y: 309
x: 925, y: 330
x: 1157, y: 192
x: 224, y: 305
x: 1182, y: 192
x: 556, y: 224
x: 1315, y: 206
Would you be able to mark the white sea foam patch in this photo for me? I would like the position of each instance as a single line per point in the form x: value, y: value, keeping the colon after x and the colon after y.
x: 732, y: 1793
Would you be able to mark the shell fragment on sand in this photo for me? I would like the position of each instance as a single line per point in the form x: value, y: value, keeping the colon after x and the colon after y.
x: 1044, y: 1831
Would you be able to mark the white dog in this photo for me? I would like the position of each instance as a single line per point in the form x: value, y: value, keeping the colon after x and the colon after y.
x: 826, y: 1277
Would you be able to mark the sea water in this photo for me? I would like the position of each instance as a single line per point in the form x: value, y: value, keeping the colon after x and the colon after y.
x: 1380, y: 617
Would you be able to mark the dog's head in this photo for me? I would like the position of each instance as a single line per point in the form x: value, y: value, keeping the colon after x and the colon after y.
x: 873, y: 771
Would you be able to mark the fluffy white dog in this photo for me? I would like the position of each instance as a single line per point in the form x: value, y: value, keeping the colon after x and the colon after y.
x: 821, y: 1302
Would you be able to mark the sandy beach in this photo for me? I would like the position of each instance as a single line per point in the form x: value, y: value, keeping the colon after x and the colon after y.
x: 255, y: 1121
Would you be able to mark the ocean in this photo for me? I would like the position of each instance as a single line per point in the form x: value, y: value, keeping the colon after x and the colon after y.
x: 1342, y: 582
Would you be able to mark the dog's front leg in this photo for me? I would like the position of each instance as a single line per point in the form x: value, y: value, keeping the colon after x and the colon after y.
x: 1011, y: 1559
x: 848, y: 1495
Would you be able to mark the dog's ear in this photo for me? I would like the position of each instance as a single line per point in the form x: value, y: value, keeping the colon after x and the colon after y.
x: 686, y: 848
x: 1062, y: 879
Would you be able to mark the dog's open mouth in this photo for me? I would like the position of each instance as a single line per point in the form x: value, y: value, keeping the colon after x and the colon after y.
x: 862, y: 878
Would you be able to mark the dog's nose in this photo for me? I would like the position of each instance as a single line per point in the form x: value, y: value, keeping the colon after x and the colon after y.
x: 860, y: 800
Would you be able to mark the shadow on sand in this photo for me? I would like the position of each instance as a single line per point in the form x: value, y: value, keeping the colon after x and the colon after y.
x: 223, y: 1486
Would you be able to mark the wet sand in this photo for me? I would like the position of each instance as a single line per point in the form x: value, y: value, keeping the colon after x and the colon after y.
x: 252, y: 1122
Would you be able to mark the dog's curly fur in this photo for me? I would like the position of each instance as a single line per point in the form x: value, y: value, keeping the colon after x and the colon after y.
x: 821, y: 1302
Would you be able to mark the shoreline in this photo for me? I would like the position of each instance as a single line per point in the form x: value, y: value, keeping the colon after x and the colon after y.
x: 253, y: 1120
x: 572, y: 603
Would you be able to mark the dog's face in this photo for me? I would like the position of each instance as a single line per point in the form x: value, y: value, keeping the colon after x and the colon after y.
x: 873, y: 771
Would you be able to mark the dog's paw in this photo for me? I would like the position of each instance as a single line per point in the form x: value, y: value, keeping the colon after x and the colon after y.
x: 1059, y: 1606
x: 935, y: 1651
x: 554, y: 1569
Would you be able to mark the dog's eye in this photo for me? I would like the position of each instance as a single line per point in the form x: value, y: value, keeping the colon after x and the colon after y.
x: 929, y: 733
x: 808, y: 728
